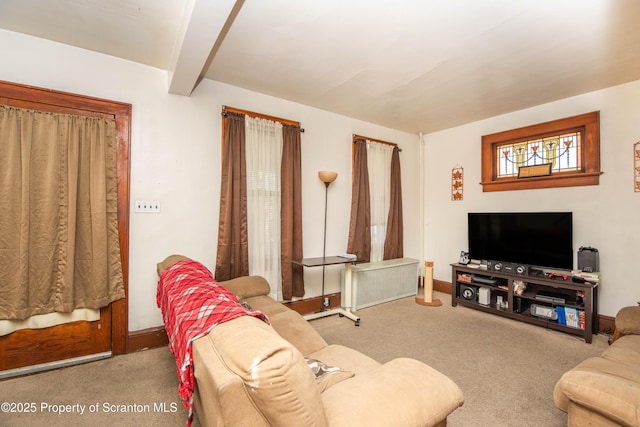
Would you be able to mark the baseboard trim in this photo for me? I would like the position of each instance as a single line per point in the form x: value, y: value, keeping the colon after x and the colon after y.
x: 441, y: 286
x: 147, y: 338
x: 311, y: 305
x: 157, y: 337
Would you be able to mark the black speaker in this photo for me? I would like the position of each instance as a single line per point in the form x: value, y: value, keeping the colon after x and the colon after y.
x: 522, y: 269
x: 494, y: 265
x: 588, y: 259
x: 470, y: 293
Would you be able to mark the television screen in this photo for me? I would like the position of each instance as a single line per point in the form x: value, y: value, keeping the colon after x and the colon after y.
x: 541, y: 239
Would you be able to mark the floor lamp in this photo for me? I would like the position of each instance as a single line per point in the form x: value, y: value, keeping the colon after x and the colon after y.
x: 326, y: 177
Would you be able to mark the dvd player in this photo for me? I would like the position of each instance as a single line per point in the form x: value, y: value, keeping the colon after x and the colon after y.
x: 550, y: 297
x: 485, y: 280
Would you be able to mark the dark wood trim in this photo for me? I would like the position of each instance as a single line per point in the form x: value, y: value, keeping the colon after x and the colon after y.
x: 355, y: 136
x: 311, y: 305
x: 147, y: 338
x: 52, y: 100
x: 226, y: 109
x: 606, y: 324
x: 588, y: 124
x: 157, y: 337
x: 441, y: 286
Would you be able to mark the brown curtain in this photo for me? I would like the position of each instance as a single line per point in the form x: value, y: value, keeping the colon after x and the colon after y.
x: 59, y: 246
x: 359, y: 242
x: 232, y: 259
x: 291, y: 213
x: 393, y: 241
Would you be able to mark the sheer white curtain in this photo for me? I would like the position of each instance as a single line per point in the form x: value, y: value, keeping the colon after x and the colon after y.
x: 264, y: 157
x: 379, y: 164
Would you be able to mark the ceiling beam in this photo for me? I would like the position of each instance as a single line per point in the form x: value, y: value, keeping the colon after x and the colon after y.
x: 205, y: 25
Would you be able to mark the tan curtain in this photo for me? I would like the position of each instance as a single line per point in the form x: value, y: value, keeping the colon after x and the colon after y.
x: 359, y: 242
x: 393, y: 242
x: 59, y: 246
x: 291, y: 213
x: 232, y: 259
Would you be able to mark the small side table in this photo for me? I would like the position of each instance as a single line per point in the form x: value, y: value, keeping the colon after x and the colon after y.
x: 333, y: 260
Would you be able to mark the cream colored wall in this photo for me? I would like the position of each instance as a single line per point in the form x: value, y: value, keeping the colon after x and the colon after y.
x: 604, y: 216
x: 175, y: 158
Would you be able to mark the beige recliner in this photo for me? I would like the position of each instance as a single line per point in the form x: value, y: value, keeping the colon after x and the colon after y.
x: 249, y: 373
x: 605, y: 390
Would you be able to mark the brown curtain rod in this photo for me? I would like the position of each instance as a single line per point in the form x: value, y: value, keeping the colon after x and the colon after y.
x: 393, y: 144
x: 226, y: 110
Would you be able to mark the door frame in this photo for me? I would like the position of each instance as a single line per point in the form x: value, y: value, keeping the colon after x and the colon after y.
x: 24, y: 96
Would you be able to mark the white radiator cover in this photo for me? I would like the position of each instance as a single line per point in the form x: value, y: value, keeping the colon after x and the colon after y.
x: 377, y: 282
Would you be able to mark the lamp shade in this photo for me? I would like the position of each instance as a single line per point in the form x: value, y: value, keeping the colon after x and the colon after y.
x: 327, y: 177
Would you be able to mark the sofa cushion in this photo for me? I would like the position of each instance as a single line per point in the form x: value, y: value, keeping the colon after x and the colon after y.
x: 291, y: 326
x: 169, y: 261
x: 346, y: 358
x: 247, y: 286
x: 624, y: 349
x: 402, y: 392
x: 265, y: 304
x: 326, y: 375
x: 274, y: 375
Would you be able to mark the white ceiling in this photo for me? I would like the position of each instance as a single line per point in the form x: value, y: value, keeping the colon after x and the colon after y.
x: 413, y: 65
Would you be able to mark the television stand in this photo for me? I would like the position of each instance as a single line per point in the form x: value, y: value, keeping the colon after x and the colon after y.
x: 570, y: 307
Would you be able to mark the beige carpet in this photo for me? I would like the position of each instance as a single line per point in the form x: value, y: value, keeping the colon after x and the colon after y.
x: 505, y: 369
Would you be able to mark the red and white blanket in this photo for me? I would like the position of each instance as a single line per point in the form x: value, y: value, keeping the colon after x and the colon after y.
x: 192, y: 303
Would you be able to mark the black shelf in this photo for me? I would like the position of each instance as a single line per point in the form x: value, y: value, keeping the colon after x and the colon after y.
x: 579, y: 296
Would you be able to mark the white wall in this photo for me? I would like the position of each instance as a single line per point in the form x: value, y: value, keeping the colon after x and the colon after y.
x: 175, y: 158
x: 604, y: 216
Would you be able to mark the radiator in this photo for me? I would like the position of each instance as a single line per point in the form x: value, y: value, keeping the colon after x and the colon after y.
x: 377, y: 282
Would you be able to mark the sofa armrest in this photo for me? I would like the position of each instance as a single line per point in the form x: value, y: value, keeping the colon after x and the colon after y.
x: 607, y: 387
x: 247, y: 286
x: 628, y: 321
x: 169, y: 261
x: 401, y: 392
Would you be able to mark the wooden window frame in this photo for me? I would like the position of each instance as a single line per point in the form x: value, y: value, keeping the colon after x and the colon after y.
x: 226, y: 109
x: 589, y: 174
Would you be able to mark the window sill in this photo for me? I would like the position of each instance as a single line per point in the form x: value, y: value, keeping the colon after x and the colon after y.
x: 568, y: 180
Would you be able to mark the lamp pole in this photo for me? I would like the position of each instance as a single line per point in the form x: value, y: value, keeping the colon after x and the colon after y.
x: 327, y: 178
x: 324, y: 245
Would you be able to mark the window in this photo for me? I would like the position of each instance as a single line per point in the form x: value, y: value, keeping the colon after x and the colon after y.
x: 566, y: 150
x: 376, y: 228
x: 260, y: 224
x: 379, y: 165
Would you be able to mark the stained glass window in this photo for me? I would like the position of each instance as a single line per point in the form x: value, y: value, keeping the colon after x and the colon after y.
x: 561, y: 151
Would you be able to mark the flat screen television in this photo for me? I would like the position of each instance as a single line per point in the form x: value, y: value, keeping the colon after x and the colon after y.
x: 541, y: 239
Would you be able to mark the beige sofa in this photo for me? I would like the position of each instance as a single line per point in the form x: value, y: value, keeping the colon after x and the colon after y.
x: 249, y: 373
x: 605, y: 390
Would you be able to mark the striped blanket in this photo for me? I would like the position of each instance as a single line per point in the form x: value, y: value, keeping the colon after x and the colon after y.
x: 192, y: 303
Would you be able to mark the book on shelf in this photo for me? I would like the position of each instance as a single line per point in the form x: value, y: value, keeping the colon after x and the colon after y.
x: 561, y: 318
x: 581, y: 319
x: 571, y: 316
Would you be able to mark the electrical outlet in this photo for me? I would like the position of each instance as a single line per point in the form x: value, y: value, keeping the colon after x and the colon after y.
x: 147, y: 206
